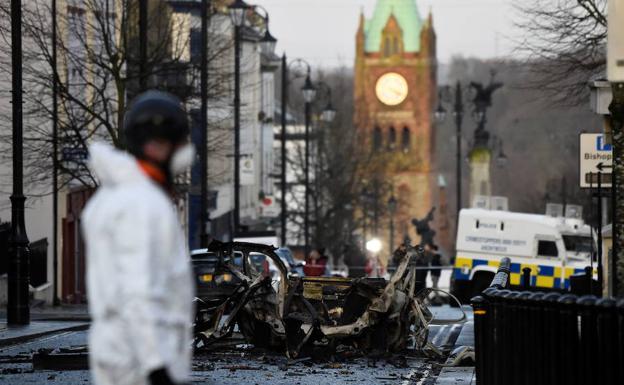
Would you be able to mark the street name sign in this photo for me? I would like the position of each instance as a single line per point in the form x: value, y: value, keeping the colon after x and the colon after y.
x: 595, y: 157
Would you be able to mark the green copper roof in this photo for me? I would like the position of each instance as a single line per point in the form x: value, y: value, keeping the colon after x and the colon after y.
x: 406, y: 13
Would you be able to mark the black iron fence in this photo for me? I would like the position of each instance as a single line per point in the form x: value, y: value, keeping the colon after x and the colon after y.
x: 532, y: 337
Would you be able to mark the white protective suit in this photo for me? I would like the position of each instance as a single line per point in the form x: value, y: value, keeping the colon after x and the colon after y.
x: 138, y: 275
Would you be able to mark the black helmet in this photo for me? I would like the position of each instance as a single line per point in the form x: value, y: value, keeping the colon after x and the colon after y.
x: 154, y: 115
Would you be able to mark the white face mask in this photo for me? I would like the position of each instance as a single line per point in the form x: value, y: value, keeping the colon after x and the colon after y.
x: 182, y: 159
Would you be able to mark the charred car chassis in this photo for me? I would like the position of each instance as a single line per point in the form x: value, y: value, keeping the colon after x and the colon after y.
x: 296, y: 314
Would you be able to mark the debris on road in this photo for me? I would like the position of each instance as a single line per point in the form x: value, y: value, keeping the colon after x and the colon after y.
x: 72, y: 358
x: 304, y: 316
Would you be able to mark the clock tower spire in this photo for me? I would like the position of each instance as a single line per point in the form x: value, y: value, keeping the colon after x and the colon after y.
x: 394, y: 97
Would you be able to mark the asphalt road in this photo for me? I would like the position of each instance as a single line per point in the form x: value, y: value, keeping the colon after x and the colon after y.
x: 238, y: 363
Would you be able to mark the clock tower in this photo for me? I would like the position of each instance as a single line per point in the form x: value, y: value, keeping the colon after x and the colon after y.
x: 394, y: 99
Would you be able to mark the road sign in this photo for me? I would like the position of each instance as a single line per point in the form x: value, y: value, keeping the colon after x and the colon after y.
x: 247, y: 171
x: 595, y: 157
x: 269, y: 207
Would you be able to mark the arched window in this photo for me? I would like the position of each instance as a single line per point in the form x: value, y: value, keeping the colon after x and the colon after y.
x: 395, y: 47
x: 392, y: 138
x: 377, y: 139
x: 405, y: 139
x: 387, y: 47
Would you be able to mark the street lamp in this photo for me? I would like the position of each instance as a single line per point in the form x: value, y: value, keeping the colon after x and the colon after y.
x: 327, y: 115
x: 392, y: 206
x: 458, y: 114
x: 267, y: 44
x: 55, y: 165
x: 309, y: 93
x: 237, y: 12
x: 308, y: 89
x: 203, y: 166
x: 268, y: 41
x: 18, y: 312
x: 284, y: 107
x: 374, y: 245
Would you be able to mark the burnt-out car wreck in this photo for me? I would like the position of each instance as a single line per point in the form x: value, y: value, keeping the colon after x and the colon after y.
x: 296, y: 315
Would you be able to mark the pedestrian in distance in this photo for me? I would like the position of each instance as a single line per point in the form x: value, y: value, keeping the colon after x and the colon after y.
x: 435, y: 271
x: 316, y: 263
x: 436, y: 263
x: 422, y: 267
x: 374, y: 268
x: 138, y: 269
x: 398, y: 254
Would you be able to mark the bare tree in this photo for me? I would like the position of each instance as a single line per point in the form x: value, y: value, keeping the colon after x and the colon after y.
x: 564, y: 44
x: 97, y: 71
x: 341, y: 167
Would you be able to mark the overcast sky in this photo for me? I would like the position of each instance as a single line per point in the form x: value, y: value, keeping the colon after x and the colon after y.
x: 323, y: 31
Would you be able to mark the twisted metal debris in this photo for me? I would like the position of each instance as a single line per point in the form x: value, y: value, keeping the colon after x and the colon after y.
x: 299, y: 314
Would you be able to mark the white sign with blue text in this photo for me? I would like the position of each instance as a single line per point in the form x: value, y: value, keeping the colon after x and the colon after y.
x: 596, y: 161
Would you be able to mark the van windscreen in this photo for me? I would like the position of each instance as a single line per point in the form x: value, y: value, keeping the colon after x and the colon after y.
x: 577, y: 243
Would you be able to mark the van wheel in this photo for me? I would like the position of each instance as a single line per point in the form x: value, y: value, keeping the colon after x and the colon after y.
x: 480, y: 282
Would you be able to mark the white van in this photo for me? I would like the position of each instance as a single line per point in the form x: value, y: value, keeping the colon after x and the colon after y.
x: 553, y: 248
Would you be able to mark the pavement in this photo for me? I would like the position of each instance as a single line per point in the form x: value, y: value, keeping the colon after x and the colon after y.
x: 237, y: 362
x: 11, y: 335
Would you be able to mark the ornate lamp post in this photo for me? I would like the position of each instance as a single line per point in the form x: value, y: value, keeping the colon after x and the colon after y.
x: 18, y: 311
x: 327, y: 115
x: 482, y: 100
x: 392, y: 206
x: 458, y: 113
x: 309, y: 93
x: 268, y: 41
x: 55, y: 167
x: 237, y: 11
x: 203, y: 207
x: 284, y: 106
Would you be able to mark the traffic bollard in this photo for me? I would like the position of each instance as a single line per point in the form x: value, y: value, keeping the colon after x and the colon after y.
x: 525, y: 337
x: 504, y: 359
x: 553, y: 362
x: 538, y: 333
x: 587, y: 351
x: 526, y: 277
x: 513, y: 315
x: 568, y: 332
x: 607, y: 341
x: 481, y: 329
x: 495, y: 371
x: 620, y: 366
x: 493, y: 327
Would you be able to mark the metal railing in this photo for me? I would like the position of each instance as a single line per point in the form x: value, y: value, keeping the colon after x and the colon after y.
x: 532, y: 337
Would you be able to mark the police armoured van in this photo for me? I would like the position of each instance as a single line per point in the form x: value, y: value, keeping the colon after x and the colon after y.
x: 553, y: 247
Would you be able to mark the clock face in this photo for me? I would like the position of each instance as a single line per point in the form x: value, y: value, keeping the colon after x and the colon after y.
x: 391, y: 89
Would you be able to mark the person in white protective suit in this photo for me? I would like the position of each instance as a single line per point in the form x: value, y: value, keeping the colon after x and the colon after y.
x: 138, y: 269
